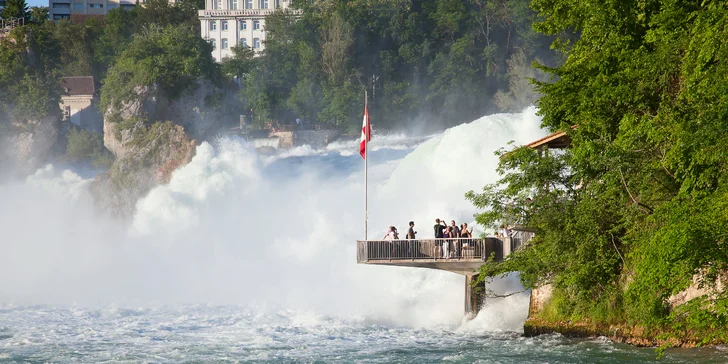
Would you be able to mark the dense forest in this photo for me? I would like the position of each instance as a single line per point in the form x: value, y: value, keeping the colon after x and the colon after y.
x: 439, y: 61
x: 636, y: 210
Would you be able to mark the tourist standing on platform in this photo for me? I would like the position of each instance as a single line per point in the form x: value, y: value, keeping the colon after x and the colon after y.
x: 414, y: 249
x: 390, y: 234
x: 464, y: 232
x: 439, y: 227
x: 411, y: 232
x: 446, y: 243
x: 455, y: 233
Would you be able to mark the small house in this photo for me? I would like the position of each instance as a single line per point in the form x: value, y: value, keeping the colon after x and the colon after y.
x: 79, y: 103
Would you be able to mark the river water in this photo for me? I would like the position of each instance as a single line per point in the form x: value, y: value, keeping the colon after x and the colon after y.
x: 243, y: 257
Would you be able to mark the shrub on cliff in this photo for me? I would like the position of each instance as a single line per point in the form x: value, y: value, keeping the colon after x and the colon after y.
x: 83, y: 145
x: 170, y: 58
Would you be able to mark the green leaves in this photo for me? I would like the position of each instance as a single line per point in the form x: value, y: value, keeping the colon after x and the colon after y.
x: 438, y: 60
x: 166, y: 57
x: 15, y: 9
x: 636, y: 208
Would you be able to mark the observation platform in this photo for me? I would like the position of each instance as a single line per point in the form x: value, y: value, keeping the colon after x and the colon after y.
x: 464, y: 256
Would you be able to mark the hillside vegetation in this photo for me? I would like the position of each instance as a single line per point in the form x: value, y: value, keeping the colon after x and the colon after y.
x: 636, y: 210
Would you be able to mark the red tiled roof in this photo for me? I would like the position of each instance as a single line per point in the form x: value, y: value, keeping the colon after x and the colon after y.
x: 77, y: 86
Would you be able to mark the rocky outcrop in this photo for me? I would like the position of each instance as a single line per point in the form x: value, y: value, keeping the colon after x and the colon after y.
x: 636, y: 335
x: 153, y: 153
x: 698, y: 288
x: 148, y: 152
x: 24, y: 145
x: 198, y: 111
x: 539, y: 297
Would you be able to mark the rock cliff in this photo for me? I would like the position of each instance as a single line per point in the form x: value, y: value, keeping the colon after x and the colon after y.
x: 25, y: 144
x: 151, y: 137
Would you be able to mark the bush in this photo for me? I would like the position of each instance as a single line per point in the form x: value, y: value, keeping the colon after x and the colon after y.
x: 85, y: 146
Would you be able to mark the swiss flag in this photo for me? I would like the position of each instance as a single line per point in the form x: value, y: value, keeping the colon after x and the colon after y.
x: 366, y: 133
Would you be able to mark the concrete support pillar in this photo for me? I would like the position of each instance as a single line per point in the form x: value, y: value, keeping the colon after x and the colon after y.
x: 474, y: 297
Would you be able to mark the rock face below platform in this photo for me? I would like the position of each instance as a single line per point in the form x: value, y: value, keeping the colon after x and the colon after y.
x: 539, y: 323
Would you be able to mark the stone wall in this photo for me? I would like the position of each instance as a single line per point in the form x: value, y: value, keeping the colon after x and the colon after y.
x: 539, y: 297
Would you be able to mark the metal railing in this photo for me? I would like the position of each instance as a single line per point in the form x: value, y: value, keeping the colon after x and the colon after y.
x: 7, y: 25
x: 459, y: 249
x: 519, y: 238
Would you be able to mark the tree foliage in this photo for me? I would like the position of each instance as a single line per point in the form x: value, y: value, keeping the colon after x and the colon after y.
x: 15, y: 9
x: 637, y: 206
x: 29, y: 60
x: 166, y: 57
x: 438, y: 60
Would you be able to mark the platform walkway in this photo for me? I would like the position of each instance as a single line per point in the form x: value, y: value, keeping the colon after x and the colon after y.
x: 465, y: 256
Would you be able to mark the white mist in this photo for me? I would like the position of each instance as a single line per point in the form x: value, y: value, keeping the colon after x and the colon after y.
x: 274, y: 233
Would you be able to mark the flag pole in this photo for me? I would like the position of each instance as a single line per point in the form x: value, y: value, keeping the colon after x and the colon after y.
x: 366, y: 167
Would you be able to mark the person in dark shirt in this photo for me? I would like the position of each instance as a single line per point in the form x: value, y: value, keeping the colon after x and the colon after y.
x: 439, y: 227
x: 411, y: 232
x: 414, y: 248
x: 455, y: 233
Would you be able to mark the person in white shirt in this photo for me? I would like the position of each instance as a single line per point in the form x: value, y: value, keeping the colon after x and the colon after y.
x: 390, y: 235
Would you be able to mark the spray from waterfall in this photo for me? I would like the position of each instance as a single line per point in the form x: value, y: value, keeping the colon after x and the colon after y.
x: 233, y: 227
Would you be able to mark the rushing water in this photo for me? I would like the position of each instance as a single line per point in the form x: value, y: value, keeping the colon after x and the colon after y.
x: 244, y: 257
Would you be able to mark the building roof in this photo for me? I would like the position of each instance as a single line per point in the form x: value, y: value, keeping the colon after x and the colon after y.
x: 78, y: 86
x: 557, y: 140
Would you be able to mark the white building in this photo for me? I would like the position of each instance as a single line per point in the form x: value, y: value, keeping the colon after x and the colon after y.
x: 79, y: 101
x: 63, y: 9
x: 227, y: 23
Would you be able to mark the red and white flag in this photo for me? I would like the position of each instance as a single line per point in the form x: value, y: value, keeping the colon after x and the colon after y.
x: 366, y: 133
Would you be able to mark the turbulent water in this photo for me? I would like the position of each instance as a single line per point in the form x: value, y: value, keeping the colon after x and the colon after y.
x: 243, y: 257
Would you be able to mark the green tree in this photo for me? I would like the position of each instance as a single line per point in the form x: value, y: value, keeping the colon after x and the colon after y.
x: 420, y: 59
x: 170, y: 58
x: 636, y: 207
x: 15, y: 9
x: 38, y: 14
x: 240, y: 64
x: 29, y: 60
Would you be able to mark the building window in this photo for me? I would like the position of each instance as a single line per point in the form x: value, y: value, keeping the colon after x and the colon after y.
x: 233, y: 4
x: 214, y: 44
x: 218, y: 4
x: 79, y: 6
x: 256, y: 25
x: 224, y: 25
x: 95, y: 6
x: 213, y: 25
x: 277, y: 3
x: 66, y: 112
x: 61, y: 16
x: 223, y: 44
x: 264, y: 4
x: 127, y: 6
x: 248, y: 4
x: 243, y: 25
x: 256, y: 43
x: 61, y: 6
x: 112, y: 6
x: 244, y: 42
